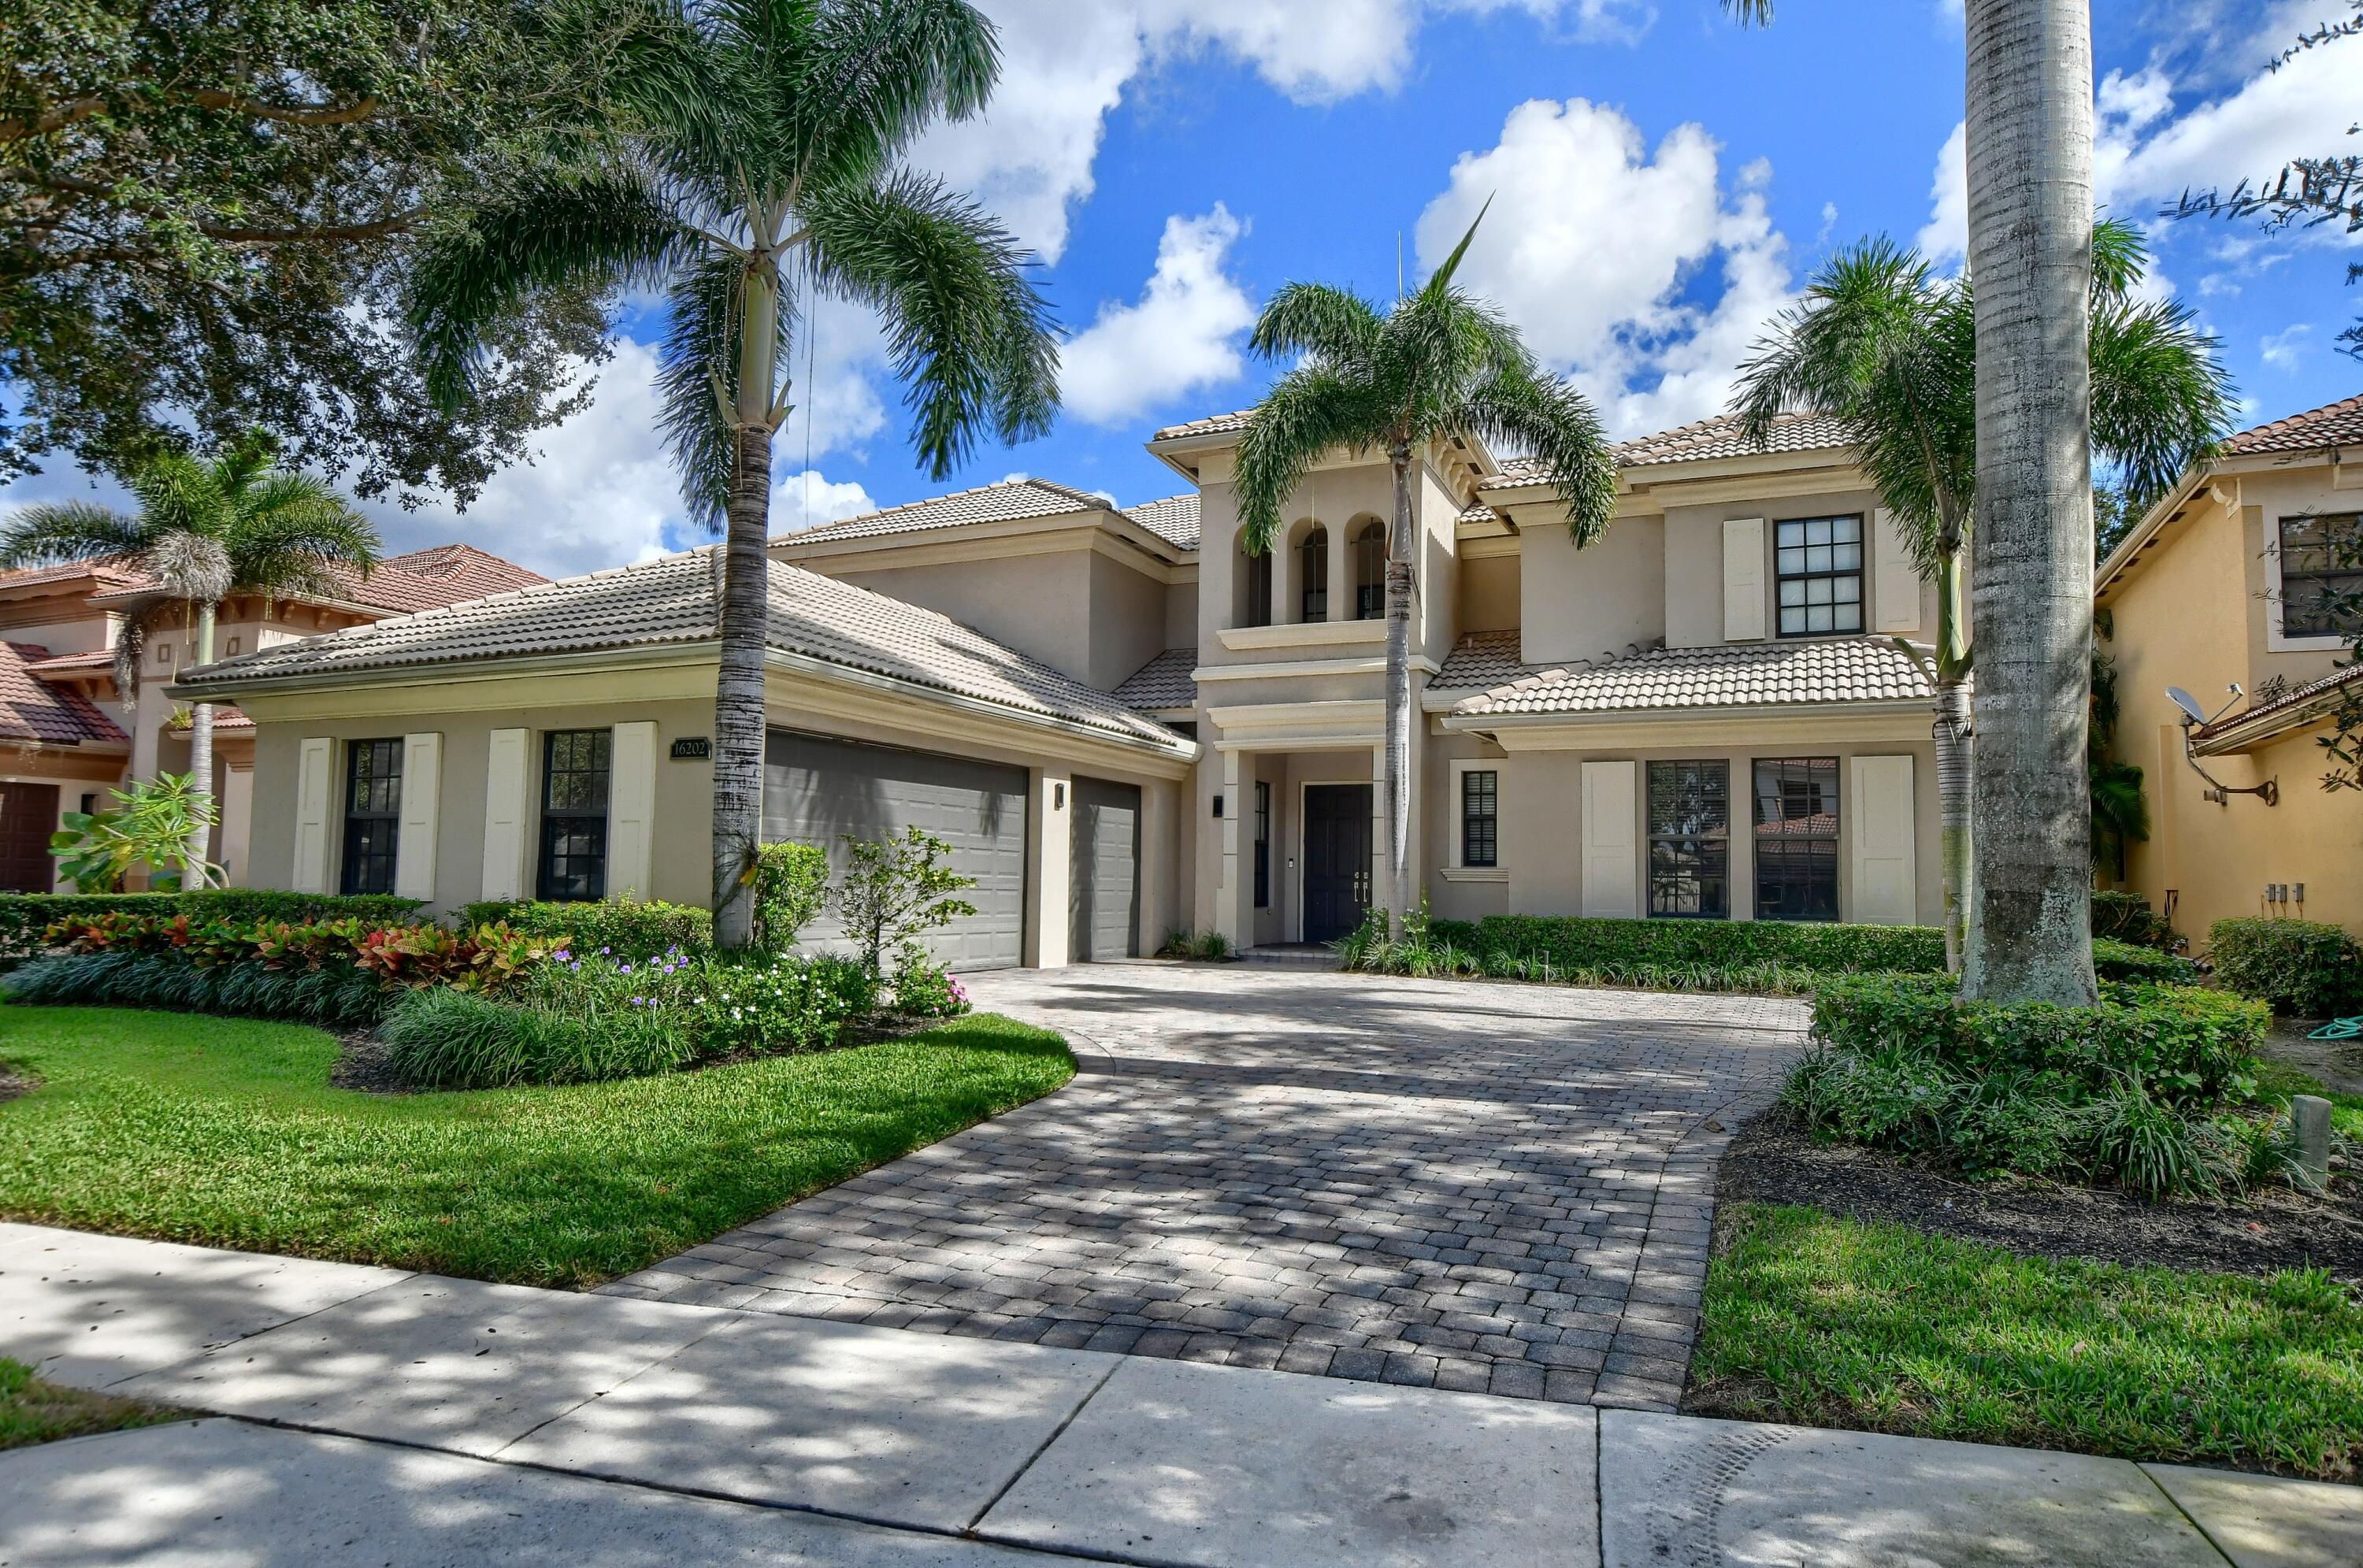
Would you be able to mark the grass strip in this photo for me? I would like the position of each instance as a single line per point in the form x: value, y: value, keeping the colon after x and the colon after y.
x: 225, y: 1132
x: 1829, y: 1322
x: 33, y: 1410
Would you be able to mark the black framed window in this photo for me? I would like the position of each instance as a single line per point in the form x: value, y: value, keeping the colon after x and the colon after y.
x: 2322, y: 575
x: 1262, y: 846
x: 575, y: 772
x: 1689, y: 840
x: 1371, y: 573
x: 1312, y: 576
x: 1797, y: 838
x: 1481, y: 817
x: 373, y: 816
x: 1817, y: 575
x: 1257, y: 611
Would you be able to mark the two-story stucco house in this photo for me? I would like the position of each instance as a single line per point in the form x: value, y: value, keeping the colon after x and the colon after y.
x: 1127, y: 727
x: 71, y: 734
x: 2231, y: 589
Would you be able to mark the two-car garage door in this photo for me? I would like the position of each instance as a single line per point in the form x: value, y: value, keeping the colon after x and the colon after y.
x: 817, y: 790
x: 824, y: 791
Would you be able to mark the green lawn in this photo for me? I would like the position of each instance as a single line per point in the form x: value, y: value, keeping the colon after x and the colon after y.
x: 1828, y: 1322
x: 224, y: 1131
x: 33, y: 1411
x: 2280, y: 1081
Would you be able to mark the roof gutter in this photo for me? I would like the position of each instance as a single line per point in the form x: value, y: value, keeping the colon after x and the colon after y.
x: 2253, y: 729
x: 1881, y: 707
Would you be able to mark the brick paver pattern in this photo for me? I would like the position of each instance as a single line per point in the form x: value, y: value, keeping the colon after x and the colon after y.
x: 1488, y: 1187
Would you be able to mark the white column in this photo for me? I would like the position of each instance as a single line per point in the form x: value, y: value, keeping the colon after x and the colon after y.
x: 1228, y: 919
x: 1049, y: 832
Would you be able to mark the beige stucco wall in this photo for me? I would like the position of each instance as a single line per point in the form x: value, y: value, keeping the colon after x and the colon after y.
x: 1040, y: 604
x: 1489, y: 598
x: 1692, y: 583
x: 1457, y: 894
x: 2197, y: 614
x: 1581, y: 603
x: 1127, y: 620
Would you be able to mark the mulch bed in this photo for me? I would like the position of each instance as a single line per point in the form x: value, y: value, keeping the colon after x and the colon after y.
x: 12, y: 1085
x: 2272, y: 1228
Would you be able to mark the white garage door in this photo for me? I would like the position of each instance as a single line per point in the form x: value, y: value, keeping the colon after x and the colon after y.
x: 825, y: 792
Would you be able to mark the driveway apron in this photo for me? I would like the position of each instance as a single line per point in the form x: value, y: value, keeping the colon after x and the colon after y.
x: 1465, y: 1186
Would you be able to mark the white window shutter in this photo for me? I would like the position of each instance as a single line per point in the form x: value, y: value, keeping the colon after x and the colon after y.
x: 1611, y: 857
x: 316, y: 764
x: 1742, y: 580
x: 422, y: 799
x: 1886, y: 859
x: 1894, y: 580
x: 508, y: 814
x: 631, y: 810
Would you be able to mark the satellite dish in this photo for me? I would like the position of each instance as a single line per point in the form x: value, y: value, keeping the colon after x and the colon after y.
x: 2188, y: 703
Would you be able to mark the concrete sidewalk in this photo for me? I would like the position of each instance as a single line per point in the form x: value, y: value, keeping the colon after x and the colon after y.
x: 379, y: 1416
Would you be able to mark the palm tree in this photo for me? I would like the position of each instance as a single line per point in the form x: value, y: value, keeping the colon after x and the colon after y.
x: 1892, y: 351
x: 1439, y: 363
x: 203, y: 531
x: 2029, y: 135
x: 756, y: 169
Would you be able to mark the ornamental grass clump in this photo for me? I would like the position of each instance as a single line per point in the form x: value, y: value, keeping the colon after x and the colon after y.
x: 2153, y: 1089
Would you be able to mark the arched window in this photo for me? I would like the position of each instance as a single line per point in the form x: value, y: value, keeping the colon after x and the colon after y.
x: 1371, y: 572
x: 1313, y: 574
x: 1255, y: 589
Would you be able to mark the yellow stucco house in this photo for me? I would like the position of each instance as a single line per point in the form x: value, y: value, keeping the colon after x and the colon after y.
x: 2220, y: 592
x: 1127, y: 725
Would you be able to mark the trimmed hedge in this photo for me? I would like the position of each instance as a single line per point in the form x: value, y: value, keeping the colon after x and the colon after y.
x: 626, y: 928
x: 26, y: 917
x: 1571, y: 943
x: 2113, y: 960
x: 2127, y: 917
x: 2182, y: 1044
x: 2302, y: 967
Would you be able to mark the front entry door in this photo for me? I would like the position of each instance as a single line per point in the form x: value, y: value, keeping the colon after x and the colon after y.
x: 1336, y: 859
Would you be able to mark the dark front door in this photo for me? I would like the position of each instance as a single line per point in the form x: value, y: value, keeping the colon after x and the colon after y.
x: 1336, y: 859
x: 29, y: 814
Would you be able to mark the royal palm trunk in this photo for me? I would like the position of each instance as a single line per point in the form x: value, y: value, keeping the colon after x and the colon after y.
x: 1398, y: 716
x: 738, y: 726
x: 2030, y: 166
x: 200, y: 762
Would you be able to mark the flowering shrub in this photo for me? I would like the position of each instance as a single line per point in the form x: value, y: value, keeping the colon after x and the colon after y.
x: 923, y: 990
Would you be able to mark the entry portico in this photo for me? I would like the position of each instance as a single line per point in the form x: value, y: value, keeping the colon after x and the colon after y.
x: 1281, y: 879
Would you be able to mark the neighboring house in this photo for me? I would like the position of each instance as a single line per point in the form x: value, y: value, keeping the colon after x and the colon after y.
x: 1704, y: 716
x: 76, y: 735
x: 2223, y: 583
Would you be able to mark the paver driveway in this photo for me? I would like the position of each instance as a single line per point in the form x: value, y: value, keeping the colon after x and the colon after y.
x: 1465, y: 1186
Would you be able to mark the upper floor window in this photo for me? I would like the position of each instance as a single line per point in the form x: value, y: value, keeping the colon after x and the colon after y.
x: 233, y: 649
x: 1313, y: 575
x: 1255, y: 589
x: 163, y: 655
x: 373, y: 816
x: 2322, y: 575
x: 574, y: 771
x: 1797, y: 838
x: 1480, y: 818
x: 1817, y: 565
x: 1689, y: 840
x: 1371, y: 572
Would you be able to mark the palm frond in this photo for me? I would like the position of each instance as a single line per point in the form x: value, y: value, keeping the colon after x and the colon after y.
x: 2161, y: 398
x: 1440, y: 281
x: 192, y: 568
x: 1554, y: 425
x: 606, y: 226
x: 968, y: 332
x: 1309, y: 411
x: 1750, y: 13
x: 700, y: 345
x: 291, y: 524
x: 46, y: 533
x: 1333, y: 325
x: 874, y: 76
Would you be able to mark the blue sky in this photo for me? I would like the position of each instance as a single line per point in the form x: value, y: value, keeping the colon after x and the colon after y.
x: 1663, y: 181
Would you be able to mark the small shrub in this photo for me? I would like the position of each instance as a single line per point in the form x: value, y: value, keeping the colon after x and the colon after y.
x: 1207, y: 945
x: 440, y: 1038
x: 626, y: 927
x: 151, y: 829
x: 2302, y: 967
x: 25, y: 917
x: 2127, y: 917
x: 2152, y: 1147
x: 790, y: 891
x: 926, y: 990
x: 895, y: 892
x: 2115, y: 960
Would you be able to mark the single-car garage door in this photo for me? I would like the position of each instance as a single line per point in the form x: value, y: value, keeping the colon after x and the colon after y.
x: 824, y: 791
x: 28, y: 815
x: 1104, y: 872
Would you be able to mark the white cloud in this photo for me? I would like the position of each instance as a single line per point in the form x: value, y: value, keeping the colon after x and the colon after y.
x: 1181, y: 336
x: 598, y: 493
x: 2282, y: 349
x: 1596, y: 247
x: 807, y: 499
x: 1946, y: 236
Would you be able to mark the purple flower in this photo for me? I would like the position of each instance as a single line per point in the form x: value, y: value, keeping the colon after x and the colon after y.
x: 603, y: 952
x: 562, y: 954
x: 625, y: 970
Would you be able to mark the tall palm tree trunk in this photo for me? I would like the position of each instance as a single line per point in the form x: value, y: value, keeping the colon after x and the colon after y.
x: 1954, y: 748
x: 738, y: 689
x: 200, y: 762
x: 2030, y: 162
x: 1398, y: 715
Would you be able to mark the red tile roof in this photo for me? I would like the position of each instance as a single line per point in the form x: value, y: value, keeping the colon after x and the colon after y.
x: 422, y: 580
x: 2336, y: 423
x: 33, y: 710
